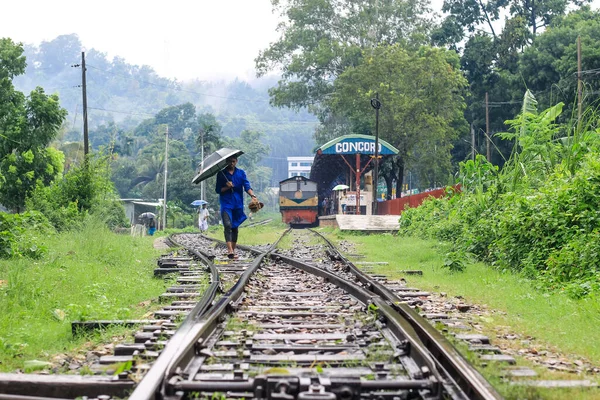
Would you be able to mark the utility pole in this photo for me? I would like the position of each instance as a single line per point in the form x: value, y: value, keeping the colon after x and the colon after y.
x: 579, y: 83
x: 202, y: 158
x: 472, y: 142
x: 166, y: 170
x: 376, y: 104
x: 488, y: 153
x: 86, y: 147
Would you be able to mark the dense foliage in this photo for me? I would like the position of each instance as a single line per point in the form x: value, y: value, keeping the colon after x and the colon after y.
x: 83, y: 190
x: 534, y: 48
x: 422, y: 96
x: 20, y: 234
x: 31, y: 171
x: 539, y: 215
x: 27, y: 126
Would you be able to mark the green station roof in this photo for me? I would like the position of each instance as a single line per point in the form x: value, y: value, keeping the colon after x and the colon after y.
x: 352, y: 144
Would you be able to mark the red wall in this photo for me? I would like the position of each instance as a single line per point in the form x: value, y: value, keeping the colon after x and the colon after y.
x: 396, y: 206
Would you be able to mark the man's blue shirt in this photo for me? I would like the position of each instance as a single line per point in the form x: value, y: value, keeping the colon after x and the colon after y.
x: 233, y: 198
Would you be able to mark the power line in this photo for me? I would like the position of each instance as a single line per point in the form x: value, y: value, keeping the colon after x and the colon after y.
x: 589, y: 71
x: 121, y: 112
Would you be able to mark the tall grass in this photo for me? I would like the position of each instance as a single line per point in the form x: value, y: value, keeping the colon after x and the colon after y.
x: 89, y: 273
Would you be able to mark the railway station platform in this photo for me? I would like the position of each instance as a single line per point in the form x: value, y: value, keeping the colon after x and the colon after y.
x: 370, y: 223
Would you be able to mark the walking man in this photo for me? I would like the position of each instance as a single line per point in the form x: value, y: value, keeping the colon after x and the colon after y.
x: 231, y: 185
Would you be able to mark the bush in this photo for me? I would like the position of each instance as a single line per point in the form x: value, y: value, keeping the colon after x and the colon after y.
x: 19, y: 234
x: 82, y: 191
x: 550, y: 234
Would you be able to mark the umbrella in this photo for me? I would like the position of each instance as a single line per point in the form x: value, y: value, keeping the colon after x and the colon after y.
x: 341, y: 187
x: 147, y: 215
x: 199, y: 202
x: 214, y: 163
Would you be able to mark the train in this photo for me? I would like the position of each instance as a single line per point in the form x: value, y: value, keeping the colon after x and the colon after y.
x: 299, y: 201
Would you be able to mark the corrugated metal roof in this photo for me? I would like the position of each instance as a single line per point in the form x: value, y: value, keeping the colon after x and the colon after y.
x: 147, y: 203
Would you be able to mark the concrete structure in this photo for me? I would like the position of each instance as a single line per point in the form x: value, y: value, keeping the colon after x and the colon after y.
x: 299, y: 166
x: 365, y: 223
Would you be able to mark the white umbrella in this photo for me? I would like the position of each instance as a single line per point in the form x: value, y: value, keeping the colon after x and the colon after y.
x: 341, y: 187
x: 214, y: 163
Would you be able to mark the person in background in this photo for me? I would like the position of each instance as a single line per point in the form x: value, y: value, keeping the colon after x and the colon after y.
x: 203, y: 215
x: 151, y: 226
x: 231, y: 185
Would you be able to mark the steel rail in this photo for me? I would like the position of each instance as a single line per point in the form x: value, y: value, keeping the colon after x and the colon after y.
x: 182, y: 346
x: 403, y: 331
x: 215, y: 281
x: 402, y: 328
x: 21, y: 386
x: 447, y: 358
x: 257, y: 223
x: 154, y: 376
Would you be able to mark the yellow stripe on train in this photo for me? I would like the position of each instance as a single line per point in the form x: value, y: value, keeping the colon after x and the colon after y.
x: 285, y: 202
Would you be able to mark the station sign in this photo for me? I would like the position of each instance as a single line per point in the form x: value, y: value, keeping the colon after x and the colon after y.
x: 357, y: 144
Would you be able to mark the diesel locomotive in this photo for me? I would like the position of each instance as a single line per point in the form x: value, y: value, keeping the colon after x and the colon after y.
x: 299, y: 201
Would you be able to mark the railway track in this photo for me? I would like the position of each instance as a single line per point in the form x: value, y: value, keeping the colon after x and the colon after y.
x: 297, y: 323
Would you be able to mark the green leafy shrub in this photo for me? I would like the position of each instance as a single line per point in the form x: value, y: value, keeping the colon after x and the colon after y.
x: 540, y: 216
x: 19, y: 234
x: 82, y: 191
x: 454, y: 261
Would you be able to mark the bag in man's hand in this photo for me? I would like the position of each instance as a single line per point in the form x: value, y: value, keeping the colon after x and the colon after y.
x: 255, y: 205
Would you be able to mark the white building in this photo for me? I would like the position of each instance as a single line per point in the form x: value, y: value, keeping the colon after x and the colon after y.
x: 299, y: 166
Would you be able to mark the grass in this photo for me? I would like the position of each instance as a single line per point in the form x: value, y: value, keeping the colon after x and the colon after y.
x: 555, y: 322
x: 88, y: 274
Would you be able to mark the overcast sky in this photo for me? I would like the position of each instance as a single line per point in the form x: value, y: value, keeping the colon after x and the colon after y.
x: 181, y: 39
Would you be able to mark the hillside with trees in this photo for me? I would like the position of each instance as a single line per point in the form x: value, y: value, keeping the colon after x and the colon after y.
x: 123, y: 99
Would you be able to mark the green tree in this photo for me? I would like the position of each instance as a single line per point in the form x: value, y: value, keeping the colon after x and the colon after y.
x: 422, y: 106
x: 465, y: 17
x: 27, y: 127
x: 549, y: 66
x: 251, y: 142
x: 210, y: 133
x: 85, y: 189
x: 321, y: 38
